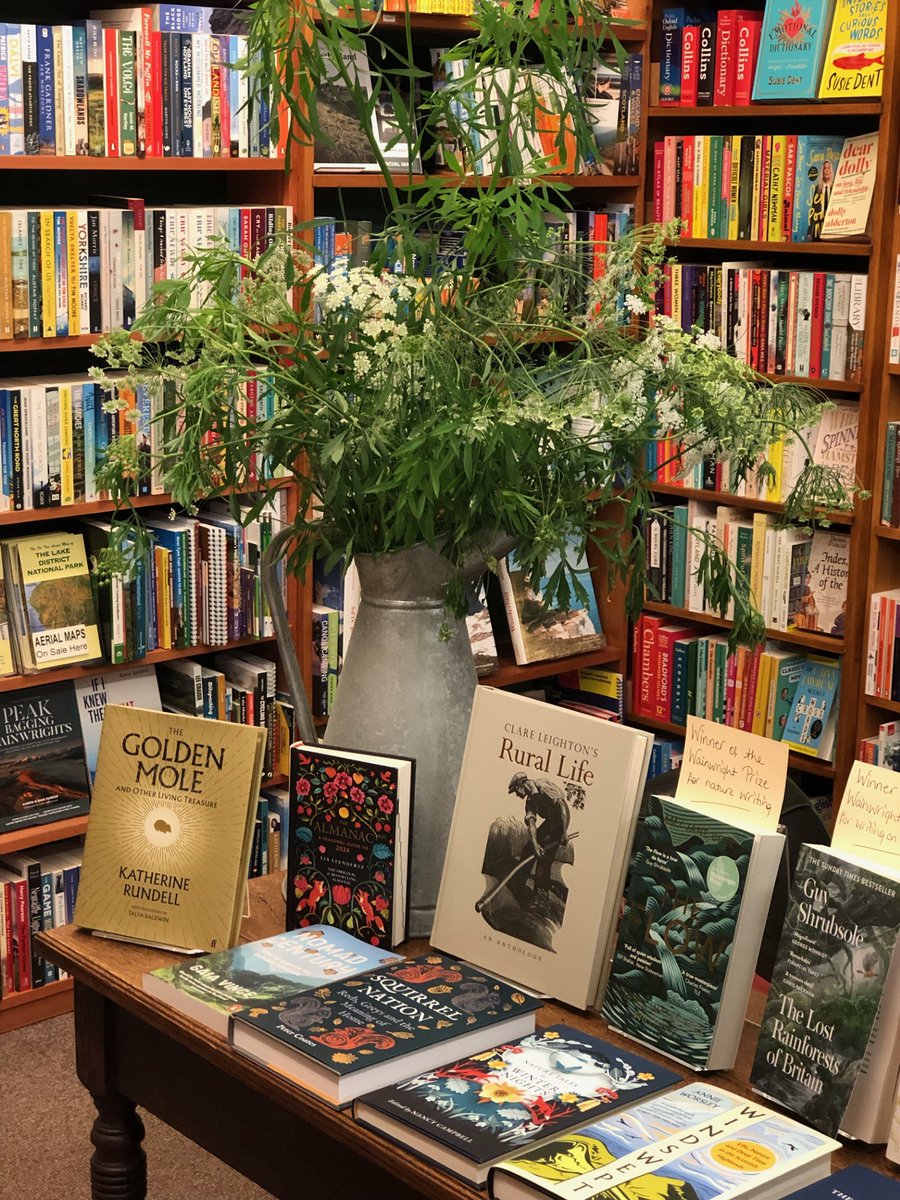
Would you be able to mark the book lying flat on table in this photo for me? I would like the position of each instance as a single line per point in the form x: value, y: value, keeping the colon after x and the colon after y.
x: 348, y: 1038
x: 697, y: 1141
x: 470, y: 1114
x: 261, y: 973
x: 852, y: 1183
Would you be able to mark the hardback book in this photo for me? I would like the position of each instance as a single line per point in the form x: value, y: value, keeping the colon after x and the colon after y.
x: 854, y: 59
x: 695, y: 1142
x: 851, y: 1183
x: 695, y: 911
x: 344, y: 1039
x: 349, y: 844
x: 791, y: 50
x: 542, y: 828
x: 818, y: 155
x: 43, y: 775
x: 50, y: 601
x: 810, y: 725
x: 827, y: 1048
x: 539, y: 631
x: 172, y: 817
x: 481, y: 631
x: 821, y: 604
x: 212, y: 987
x: 847, y: 215
x: 837, y: 439
x: 471, y: 1114
x: 136, y: 687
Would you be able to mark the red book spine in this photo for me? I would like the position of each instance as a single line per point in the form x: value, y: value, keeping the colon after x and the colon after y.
x: 670, y: 144
x: 730, y: 677
x: 817, y: 328
x: 245, y: 237
x: 8, y: 983
x: 23, y: 934
x: 725, y: 55
x: 155, y: 139
x: 754, y: 318
x: 747, y: 52
x: 748, y: 700
x: 690, y: 45
x: 599, y: 237
x: 252, y: 396
x: 637, y: 665
x: 687, y: 188
x: 790, y: 178
x: 659, y: 174
x: 111, y: 84
x: 224, y: 102
x: 149, y: 100
x: 765, y: 284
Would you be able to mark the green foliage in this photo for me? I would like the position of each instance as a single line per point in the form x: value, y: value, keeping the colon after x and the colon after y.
x: 448, y: 405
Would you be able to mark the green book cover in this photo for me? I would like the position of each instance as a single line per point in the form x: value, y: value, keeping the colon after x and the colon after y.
x: 702, y: 664
x: 715, y: 185
x: 841, y: 927
x: 721, y: 652
x: 127, y: 93
x: 679, y: 554
x: 787, y: 675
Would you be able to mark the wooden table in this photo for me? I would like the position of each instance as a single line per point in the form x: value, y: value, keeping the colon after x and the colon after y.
x: 132, y: 1049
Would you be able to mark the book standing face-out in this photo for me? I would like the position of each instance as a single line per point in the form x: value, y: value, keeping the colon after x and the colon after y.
x: 542, y: 827
x: 345, y: 1039
x: 349, y: 845
x: 172, y: 816
x: 261, y: 973
x: 695, y: 1143
x: 471, y: 1114
x: 539, y: 631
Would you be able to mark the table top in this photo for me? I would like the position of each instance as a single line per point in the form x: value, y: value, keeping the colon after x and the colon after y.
x: 115, y: 970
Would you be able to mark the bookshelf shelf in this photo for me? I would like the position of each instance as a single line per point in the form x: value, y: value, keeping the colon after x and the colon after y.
x: 819, y: 642
x: 79, y: 162
x: 892, y: 706
x: 29, y: 345
x: 24, y: 1008
x: 822, y: 249
x: 450, y: 24
x: 361, y: 179
x: 769, y: 506
x: 861, y: 108
x: 508, y: 672
x: 841, y: 386
x: 42, y: 835
x: 887, y: 535
x: 13, y: 683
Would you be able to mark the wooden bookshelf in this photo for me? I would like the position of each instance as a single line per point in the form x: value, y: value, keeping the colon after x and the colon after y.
x: 374, y: 180
x: 763, y: 112
x: 25, y: 1008
x: 42, y: 835
x: 820, y: 249
x: 61, y: 162
x: 748, y: 502
x: 509, y: 672
x: 816, y: 643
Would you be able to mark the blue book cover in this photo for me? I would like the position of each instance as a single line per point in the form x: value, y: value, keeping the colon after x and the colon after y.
x: 673, y: 22
x: 46, y: 100
x: 61, y: 271
x: 193, y: 18
x: 813, y: 704
x: 818, y: 155
x: 791, y: 48
x: 482, y: 1109
x: 852, y: 1183
x: 263, y: 972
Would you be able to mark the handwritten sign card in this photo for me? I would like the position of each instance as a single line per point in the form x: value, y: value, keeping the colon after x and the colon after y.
x: 733, y: 775
x: 868, y: 821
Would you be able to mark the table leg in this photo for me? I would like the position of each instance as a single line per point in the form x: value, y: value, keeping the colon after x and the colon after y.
x: 118, y: 1164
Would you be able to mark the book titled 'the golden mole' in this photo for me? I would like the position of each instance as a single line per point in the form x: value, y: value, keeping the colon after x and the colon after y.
x: 168, y: 844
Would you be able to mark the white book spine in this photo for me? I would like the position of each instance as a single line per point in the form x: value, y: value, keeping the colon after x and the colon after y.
x: 25, y: 405
x: 116, y: 282
x: 105, y: 272
x: 40, y: 471
x: 68, y: 74
x: 804, y: 323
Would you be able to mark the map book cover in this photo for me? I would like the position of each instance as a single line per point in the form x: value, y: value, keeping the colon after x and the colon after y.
x: 841, y: 927
x: 136, y: 688
x: 703, y: 1143
x: 851, y: 1183
x: 50, y: 601
x: 349, y: 844
x: 854, y: 59
x: 43, y: 776
x: 262, y: 972
x: 348, y: 1038
x: 791, y: 49
x: 478, y: 1110
x: 172, y: 817
x: 539, y: 843
x: 539, y: 631
x: 679, y: 943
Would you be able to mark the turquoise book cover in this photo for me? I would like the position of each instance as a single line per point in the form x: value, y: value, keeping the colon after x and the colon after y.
x: 814, y: 700
x: 675, y: 937
x: 818, y: 156
x: 791, y: 50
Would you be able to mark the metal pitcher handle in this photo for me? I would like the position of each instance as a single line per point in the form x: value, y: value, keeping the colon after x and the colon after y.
x: 291, y: 668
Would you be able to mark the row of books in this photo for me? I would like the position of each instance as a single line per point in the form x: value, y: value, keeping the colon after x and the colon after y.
x: 809, y: 324
x: 120, y: 86
x: 665, y: 756
x: 883, y: 645
x: 796, y: 581
x: 883, y: 748
x: 268, y: 852
x: 740, y: 56
x: 764, y: 187
x: 71, y: 271
x: 36, y: 894
x: 679, y: 671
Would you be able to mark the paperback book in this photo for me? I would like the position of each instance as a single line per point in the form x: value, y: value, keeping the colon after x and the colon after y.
x: 342, y: 1040
x: 470, y: 1114
x: 349, y: 843
x: 136, y: 688
x: 542, y: 827
x: 212, y: 987
x: 700, y: 1143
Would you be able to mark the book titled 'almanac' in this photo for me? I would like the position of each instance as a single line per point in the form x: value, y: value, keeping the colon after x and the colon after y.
x: 343, y: 1040
x: 172, y: 817
x: 472, y: 1113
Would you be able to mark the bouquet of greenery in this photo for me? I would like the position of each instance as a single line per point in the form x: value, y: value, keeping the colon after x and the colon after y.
x: 422, y: 400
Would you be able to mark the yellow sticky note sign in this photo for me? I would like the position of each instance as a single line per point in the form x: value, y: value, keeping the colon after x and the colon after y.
x: 733, y: 775
x: 868, y: 821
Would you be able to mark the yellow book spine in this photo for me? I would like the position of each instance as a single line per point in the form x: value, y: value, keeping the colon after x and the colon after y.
x: 67, y: 470
x: 761, y: 701
x: 676, y: 293
x: 6, y: 277
x: 701, y: 187
x: 72, y: 273
x: 757, y: 559
x: 734, y: 180
x: 48, y: 277
x: 775, y: 195
x: 775, y: 455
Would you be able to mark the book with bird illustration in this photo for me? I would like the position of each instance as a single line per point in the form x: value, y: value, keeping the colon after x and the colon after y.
x: 349, y: 842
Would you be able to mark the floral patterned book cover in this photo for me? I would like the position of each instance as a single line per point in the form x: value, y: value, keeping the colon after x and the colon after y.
x: 500, y: 1101
x: 349, y: 840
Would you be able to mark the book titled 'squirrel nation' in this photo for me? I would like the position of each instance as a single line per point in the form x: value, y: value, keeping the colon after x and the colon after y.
x: 696, y: 1143
x: 342, y: 1040
x: 260, y: 973
x: 474, y: 1112
x: 172, y: 817
x: 541, y: 832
